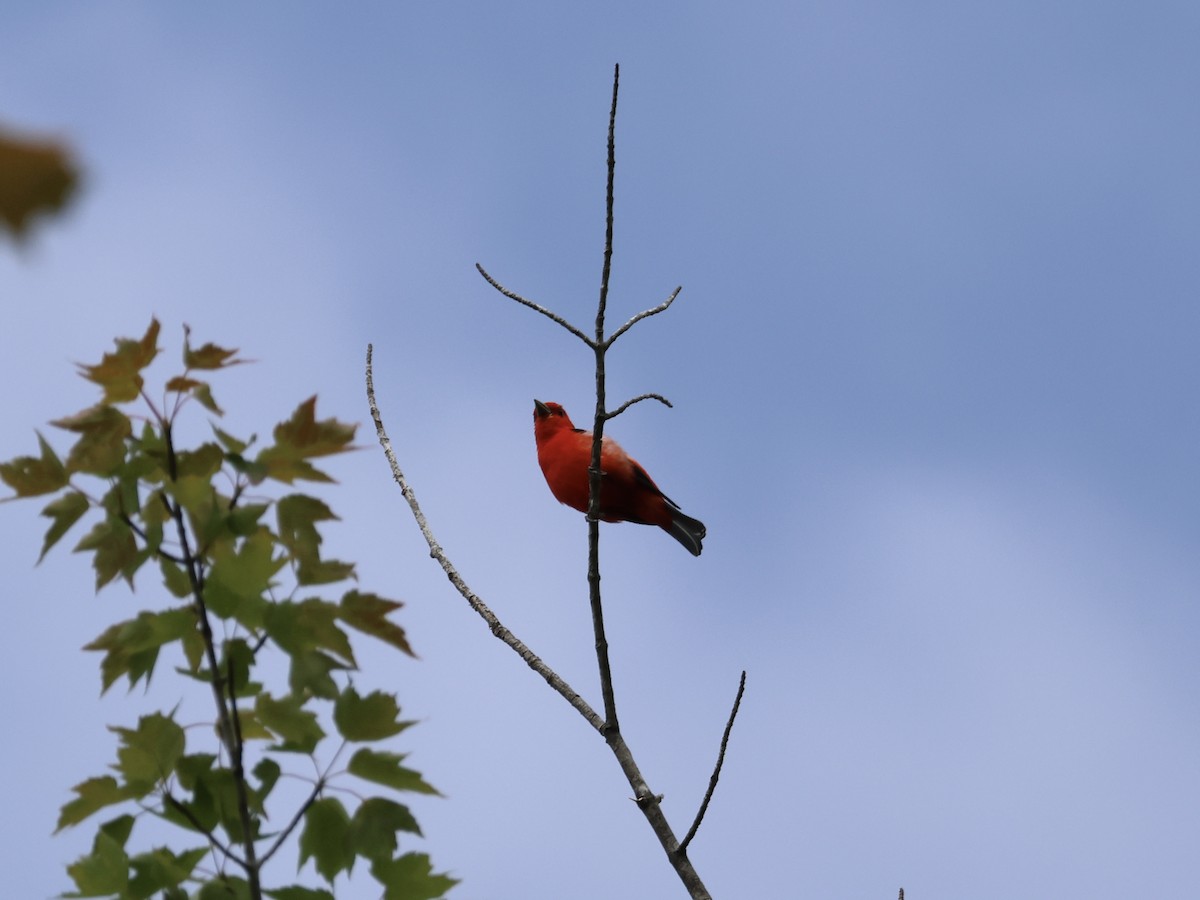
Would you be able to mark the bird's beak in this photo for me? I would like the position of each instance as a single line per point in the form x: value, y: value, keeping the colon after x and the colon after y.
x: 540, y: 408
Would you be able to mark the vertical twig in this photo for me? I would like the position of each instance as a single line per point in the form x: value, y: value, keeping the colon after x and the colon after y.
x: 712, y: 781
x: 611, y: 725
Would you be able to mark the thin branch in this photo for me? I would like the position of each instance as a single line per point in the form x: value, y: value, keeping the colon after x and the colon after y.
x: 435, y: 550
x: 638, y: 399
x: 611, y: 723
x: 195, y: 572
x: 291, y: 826
x: 644, y: 314
x: 537, y: 307
x: 712, y: 782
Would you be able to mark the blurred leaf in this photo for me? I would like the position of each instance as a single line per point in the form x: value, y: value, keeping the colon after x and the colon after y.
x: 411, y: 877
x: 94, y: 794
x: 368, y: 614
x: 297, y: 516
x: 204, y: 462
x: 267, y: 772
x: 238, y: 579
x: 386, y: 769
x: 325, y: 838
x: 225, y: 887
x: 65, y: 512
x: 203, y: 393
x: 191, y: 767
x: 32, y: 476
x: 243, y: 520
x: 237, y: 657
x: 131, y: 647
x: 301, y: 438
x: 175, y: 577
x: 100, y: 449
x: 252, y: 729
x: 299, y: 892
x: 215, y: 800
x: 160, y: 870
x: 36, y: 176
x: 210, y: 356
x: 297, y: 627
x: 103, y: 872
x: 296, y: 727
x: 310, y: 672
x: 114, y: 551
x: 374, y: 826
x: 369, y: 718
x: 119, y: 372
x: 149, y: 753
x: 230, y: 443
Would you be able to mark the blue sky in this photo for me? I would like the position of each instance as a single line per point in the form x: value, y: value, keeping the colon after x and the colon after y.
x: 934, y: 371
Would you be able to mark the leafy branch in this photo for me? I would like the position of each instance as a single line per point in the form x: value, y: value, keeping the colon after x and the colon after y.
x: 608, y: 726
x: 189, y: 512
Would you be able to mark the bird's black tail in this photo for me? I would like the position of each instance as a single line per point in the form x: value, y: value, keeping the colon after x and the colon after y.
x: 688, y: 531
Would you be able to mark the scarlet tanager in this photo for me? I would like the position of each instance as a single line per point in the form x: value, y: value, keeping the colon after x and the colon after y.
x: 627, y: 493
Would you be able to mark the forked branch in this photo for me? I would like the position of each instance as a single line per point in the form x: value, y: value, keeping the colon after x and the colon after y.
x: 647, y: 801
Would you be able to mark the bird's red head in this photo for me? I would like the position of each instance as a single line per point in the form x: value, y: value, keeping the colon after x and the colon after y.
x: 550, y: 416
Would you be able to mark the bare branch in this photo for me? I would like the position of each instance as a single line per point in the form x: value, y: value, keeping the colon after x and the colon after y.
x: 712, y: 782
x: 644, y: 314
x: 537, y: 307
x: 531, y: 659
x: 638, y: 399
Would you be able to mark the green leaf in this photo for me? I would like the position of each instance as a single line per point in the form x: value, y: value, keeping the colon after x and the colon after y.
x: 131, y: 647
x: 203, y: 393
x: 267, y: 772
x: 307, y: 625
x: 208, y: 357
x: 114, y: 551
x: 175, y: 577
x: 238, y: 579
x: 368, y: 613
x: 119, y: 372
x: 301, y: 438
x: 386, y: 769
x: 232, y: 445
x: 32, y: 476
x: 325, y: 838
x: 65, y: 512
x: 296, y: 727
x: 100, y: 449
x: 310, y: 672
x: 299, y: 892
x: 204, y: 462
x: 149, y: 753
x: 225, y: 887
x: 243, y: 520
x: 161, y: 870
x: 252, y: 729
x: 237, y: 657
x: 215, y: 799
x: 374, y: 826
x: 191, y: 767
x: 103, y: 872
x: 411, y: 877
x: 94, y: 794
x: 369, y: 718
x: 297, y: 515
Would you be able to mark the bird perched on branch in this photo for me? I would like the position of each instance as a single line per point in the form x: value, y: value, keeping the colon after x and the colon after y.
x: 627, y: 493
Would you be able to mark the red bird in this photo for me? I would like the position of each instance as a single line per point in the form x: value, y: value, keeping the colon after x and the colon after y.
x: 627, y: 493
